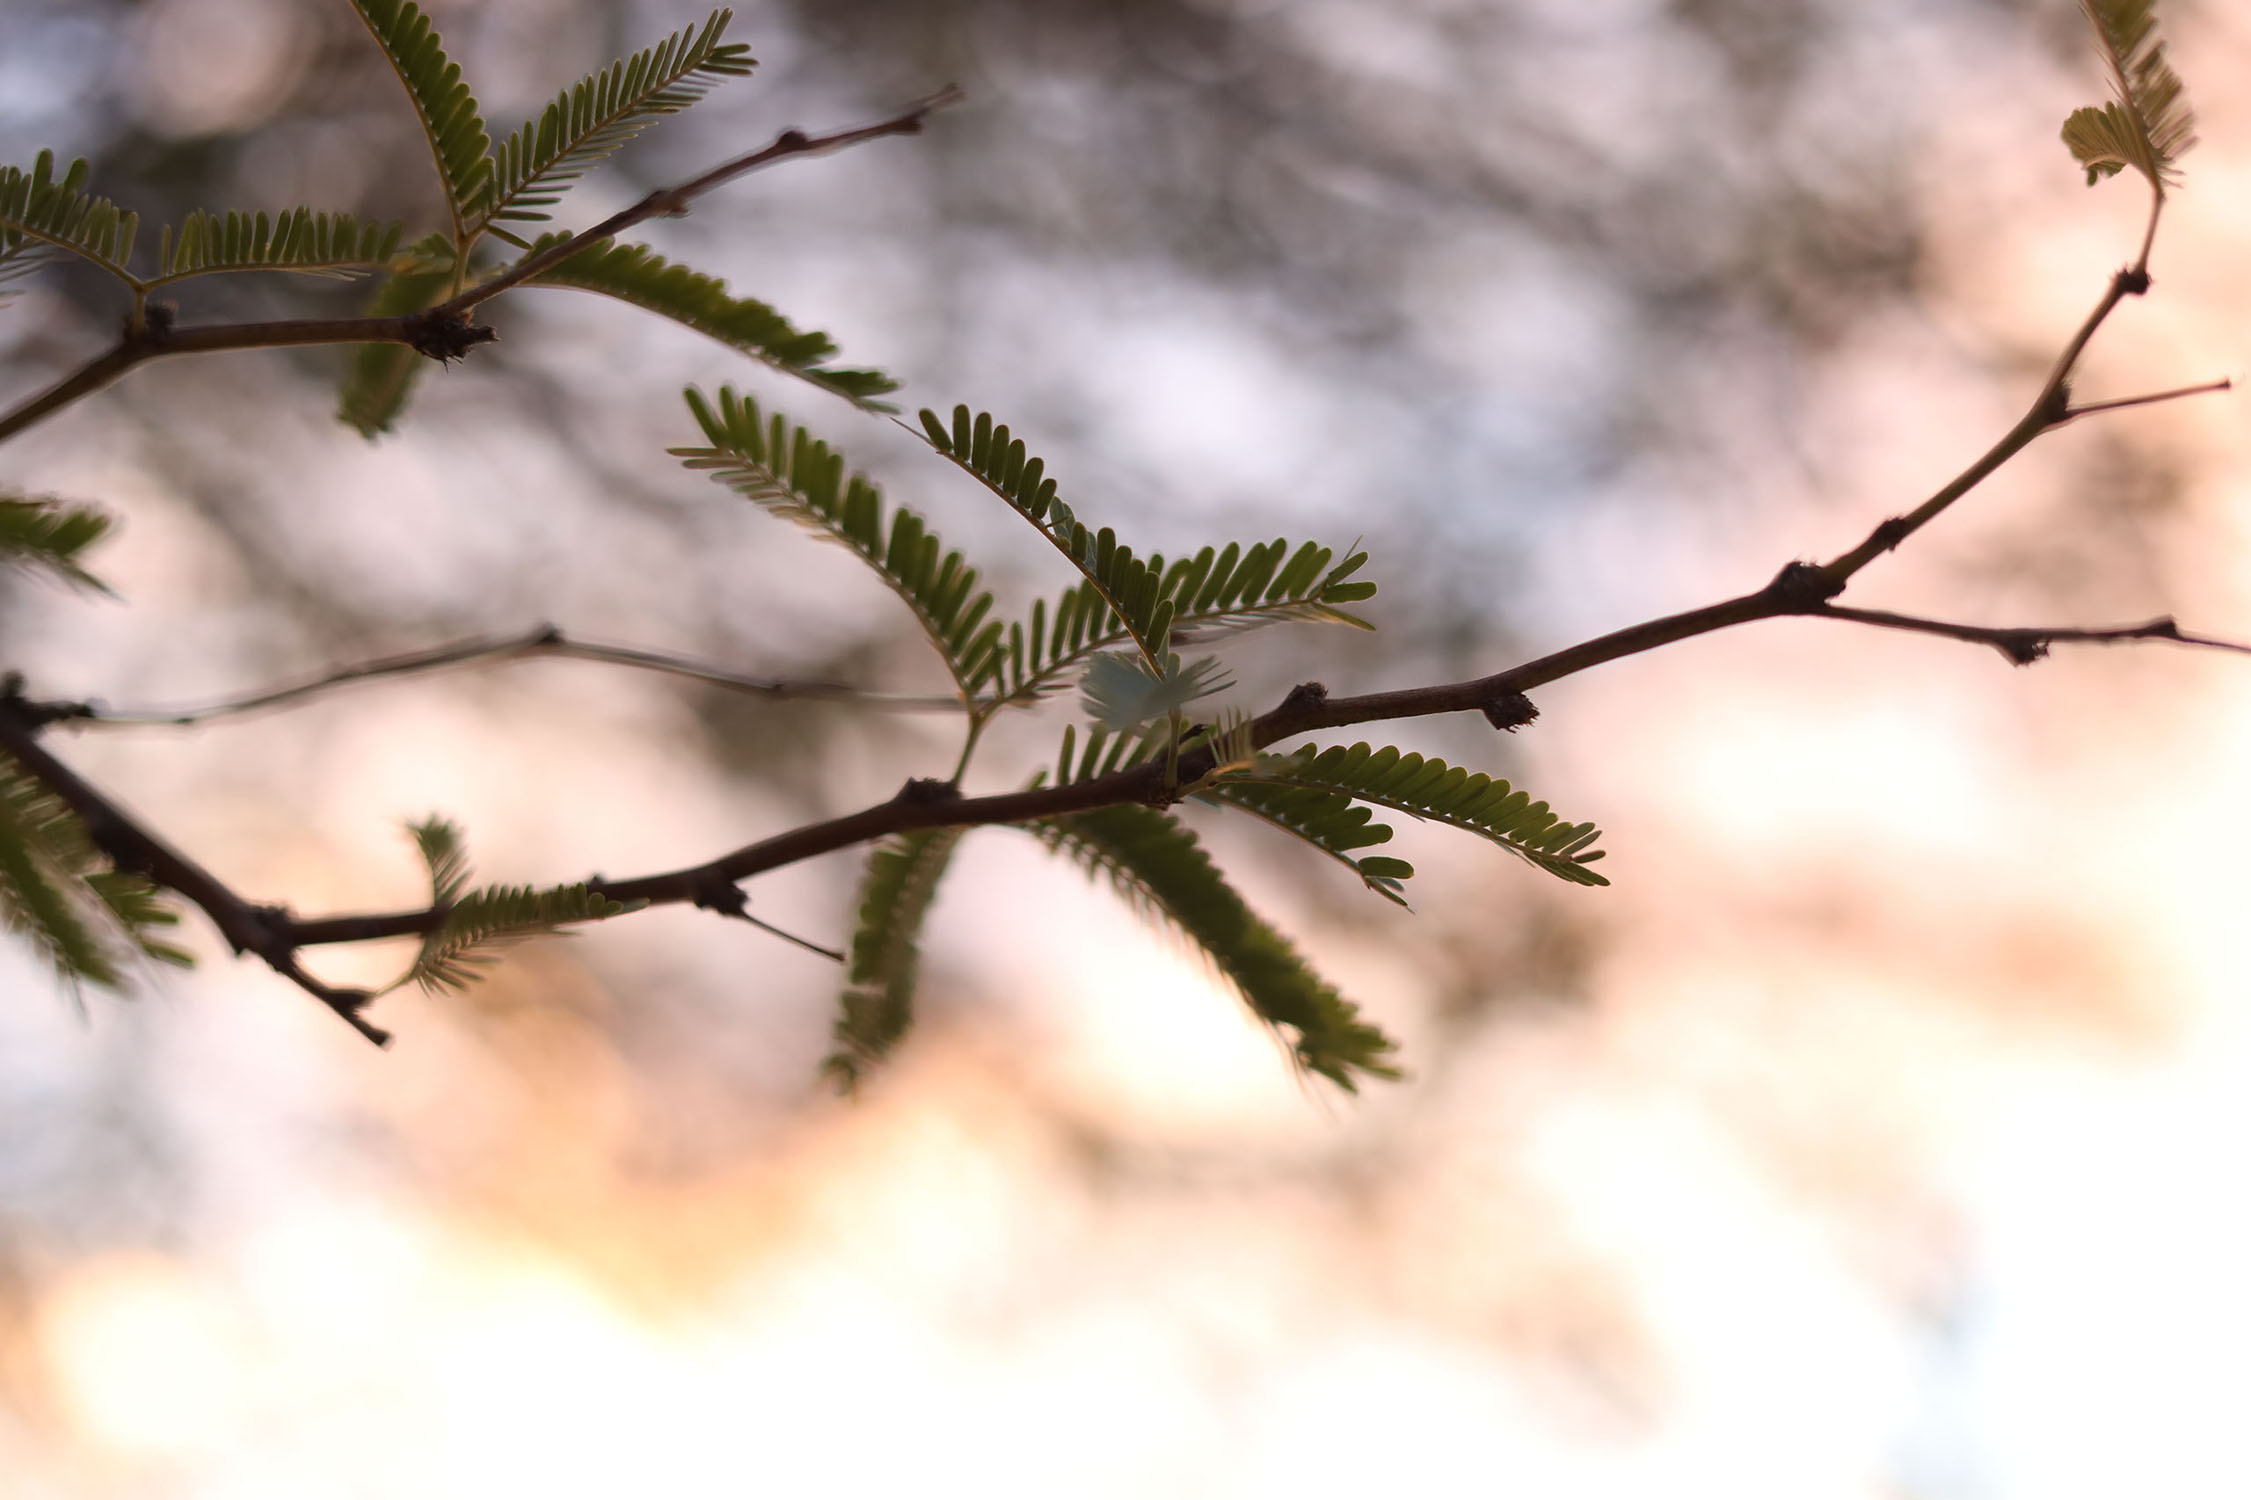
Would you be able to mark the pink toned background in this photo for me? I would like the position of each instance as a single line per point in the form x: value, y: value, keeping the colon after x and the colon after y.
x: 1876, y: 1134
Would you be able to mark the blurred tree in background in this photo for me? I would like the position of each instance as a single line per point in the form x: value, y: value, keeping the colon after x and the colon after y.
x: 1578, y: 313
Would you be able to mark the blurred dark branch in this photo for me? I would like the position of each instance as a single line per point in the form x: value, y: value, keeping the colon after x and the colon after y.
x: 263, y: 930
x: 2025, y: 645
x: 445, y: 331
x: 543, y: 640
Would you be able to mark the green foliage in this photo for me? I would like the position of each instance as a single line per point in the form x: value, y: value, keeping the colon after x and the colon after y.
x: 1329, y: 821
x: 380, y: 376
x: 600, y: 113
x: 1157, y: 864
x: 456, y: 131
x: 57, y: 892
x: 300, y: 240
x: 636, y: 274
x: 480, y: 920
x: 1228, y: 589
x: 2147, y: 125
x: 895, y: 896
x: 1106, y: 752
x: 1432, y: 789
x: 1121, y: 692
x: 39, y: 211
x: 796, y: 475
x: 44, y: 534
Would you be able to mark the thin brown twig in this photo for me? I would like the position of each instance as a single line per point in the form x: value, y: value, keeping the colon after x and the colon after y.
x: 542, y: 640
x: 2023, y: 644
x: 2120, y: 403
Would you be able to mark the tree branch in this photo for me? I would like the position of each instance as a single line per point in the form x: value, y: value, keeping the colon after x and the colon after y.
x: 542, y: 640
x: 2025, y: 645
x: 444, y: 331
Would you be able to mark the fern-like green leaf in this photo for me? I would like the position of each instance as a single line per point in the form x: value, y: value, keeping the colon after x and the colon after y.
x: 442, y: 101
x: 1157, y: 864
x: 1330, y: 821
x: 796, y: 475
x: 299, y: 240
x: 40, y: 212
x: 380, y: 376
x: 1125, y: 600
x: 445, y: 854
x: 2147, y: 125
x: 453, y: 957
x: 895, y: 896
x: 45, y: 534
x: 598, y: 114
x: 636, y: 274
x: 1431, y: 789
x: 57, y: 892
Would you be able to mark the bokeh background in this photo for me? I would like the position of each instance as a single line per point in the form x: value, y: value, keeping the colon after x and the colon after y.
x: 1878, y: 1133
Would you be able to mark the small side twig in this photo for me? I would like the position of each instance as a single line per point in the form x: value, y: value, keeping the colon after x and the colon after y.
x: 541, y: 640
x: 2024, y: 645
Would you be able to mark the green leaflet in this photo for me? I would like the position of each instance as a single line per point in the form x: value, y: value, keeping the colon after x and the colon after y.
x: 379, y: 376
x: 488, y: 918
x: 1126, y: 600
x: 1121, y: 693
x: 57, y: 892
x: 456, y: 132
x: 636, y: 274
x: 39, y: 211
x: 600, y: 113
x: 43, y: 533
x: 299, y: 240
x: 2147, y: 125
x: 1157, y: 864
x: 1432, y: 789
x: 878, y: 1001
x: 796, y: 475
x: 1330, y: 821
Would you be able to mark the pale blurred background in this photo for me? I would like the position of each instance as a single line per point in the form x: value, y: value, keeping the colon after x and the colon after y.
x: 1875, y: 1135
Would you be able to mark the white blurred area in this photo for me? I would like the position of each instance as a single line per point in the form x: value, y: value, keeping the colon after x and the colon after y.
x: 1874, y: 1135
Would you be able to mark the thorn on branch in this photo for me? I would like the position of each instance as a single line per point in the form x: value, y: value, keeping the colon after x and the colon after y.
x: 1801, y: 588
x: 927, y: 791
x: 2022, y: 647
x: 1509, y: 710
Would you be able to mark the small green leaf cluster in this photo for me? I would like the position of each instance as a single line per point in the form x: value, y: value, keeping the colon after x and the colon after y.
x: 454, y: 954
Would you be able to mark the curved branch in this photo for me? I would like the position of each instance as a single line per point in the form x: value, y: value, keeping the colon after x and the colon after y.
x: 541, y: 640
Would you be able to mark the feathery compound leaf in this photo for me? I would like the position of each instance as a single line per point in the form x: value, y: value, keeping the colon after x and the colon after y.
x: 2147, y: 125
x: 300, y: 240
x: 496, y: 915
x: 456, y: 132
x: 380, y: 376
x: 445, y: 854
x: 1431, y: 789
x: 636, y: 274
x: 57, y: 892
x: 39, y: 532
x: 895, y: 896
x: 794, y: 474
x: 39, y: 212
x: 1125, y: 599
x: 1122, y: 693
x: 603, y: 111
x: 1330, y: 821
x: 1157, y: 864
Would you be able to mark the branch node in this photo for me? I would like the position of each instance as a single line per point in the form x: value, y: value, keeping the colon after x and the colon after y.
x: 2131, y: 281
x: 1801, y: 588
x: 927, y: 791
x: 446, y: 337
x: 2055, y: 407
x: 719, y: 894
x: 1509, y: 710
x: 151, y: 327
x: 1304, y: 696
x: 2022, y: 647
x: 548, y: 633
